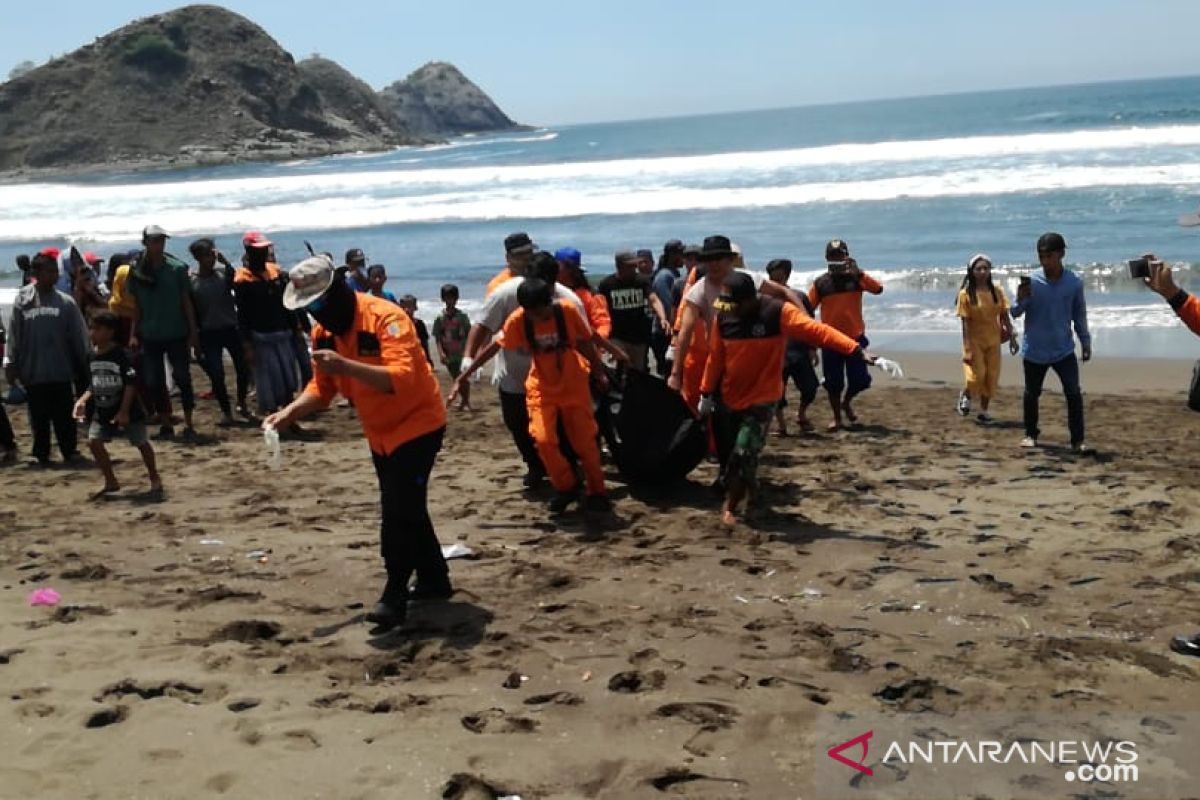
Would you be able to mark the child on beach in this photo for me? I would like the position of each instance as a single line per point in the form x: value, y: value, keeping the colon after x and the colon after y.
x: 376, y: 278
x: 409, y: 304
x: 450, y: 330
x: 557, y: 389
x: 112, y: 403
x: 983, y: 309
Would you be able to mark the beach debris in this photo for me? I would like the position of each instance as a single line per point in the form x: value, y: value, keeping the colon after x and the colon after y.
x: 456, y: 551
x: 514, y: 680
x: 740, y: 599
x: 274, y: 454
x: 259, y: 555
x: 810, y: 593
x: 44, y: 597
x: 587, y: 676
x: 212, y: 542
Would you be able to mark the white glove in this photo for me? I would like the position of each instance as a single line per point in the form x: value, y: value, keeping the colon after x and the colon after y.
x: 706, y: 406
x: 476, y: 376
x: 890, y: 367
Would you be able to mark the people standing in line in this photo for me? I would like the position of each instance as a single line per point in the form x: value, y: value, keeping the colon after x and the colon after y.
x: 366, y: 349
x: 1052, y: 303
x: 355, y: 269
x: 983, y: 309
x: 512, y: 366
x: 164, y: 324
x: 799, y: 361
x: 572, y: 275
x: 558, y: 388
x: 216, y: 315
x: 450, y: 331
x: 838, y: 294
x: 377, y: 280
x: 662, y: 282
x: 409, y: 303
x: 630, y: 301
x: 47, y: 353
x: 111, y: 404
x: 266, y: 326
x: 518, y: 252
x: 746, y: 347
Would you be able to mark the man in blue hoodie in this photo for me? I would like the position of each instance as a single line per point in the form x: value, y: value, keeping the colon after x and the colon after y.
x: 1052, y: 303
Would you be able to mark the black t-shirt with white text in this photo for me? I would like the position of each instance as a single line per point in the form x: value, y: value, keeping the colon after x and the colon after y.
x: 111, y: 373
x: 628, y: 305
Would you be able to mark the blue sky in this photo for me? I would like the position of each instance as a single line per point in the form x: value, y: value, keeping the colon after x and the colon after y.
x: 565, y: 61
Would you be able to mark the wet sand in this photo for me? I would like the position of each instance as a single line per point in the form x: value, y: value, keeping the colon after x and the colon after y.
x: 923, y: 562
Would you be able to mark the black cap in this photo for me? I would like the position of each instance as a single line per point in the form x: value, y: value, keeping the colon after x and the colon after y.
x: 715, y: 248
x: 517, y: 241
x: 354, y: 256
x: 836, y: 248
x: 673, y: 246
x: 1051, y: 243
x: 646, y: 254
x: 738, y: 286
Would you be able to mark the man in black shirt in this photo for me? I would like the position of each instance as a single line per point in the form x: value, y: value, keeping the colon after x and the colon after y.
x: 111, y: 403
x: 630, y: 298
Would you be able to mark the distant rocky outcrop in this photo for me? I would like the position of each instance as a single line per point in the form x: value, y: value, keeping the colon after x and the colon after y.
x: 203, y: 85
x: 438, y: 100
x: 354, y: 103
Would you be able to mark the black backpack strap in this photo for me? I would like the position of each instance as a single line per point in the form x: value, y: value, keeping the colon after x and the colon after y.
x: 560, y: 319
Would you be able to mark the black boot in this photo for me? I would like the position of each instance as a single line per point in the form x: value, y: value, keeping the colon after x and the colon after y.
x: 392, y: 608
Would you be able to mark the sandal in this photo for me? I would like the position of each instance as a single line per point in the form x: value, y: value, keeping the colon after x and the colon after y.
x: 1186, y: 645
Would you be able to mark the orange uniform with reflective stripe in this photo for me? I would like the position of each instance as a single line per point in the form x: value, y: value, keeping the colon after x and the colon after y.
x: 597, y: 311
x: 558, y: 389
x: 1189, y: 312
x: 746, y: 355
x: 502, y: 276
x: 383, y: 336
x: 840, y: 299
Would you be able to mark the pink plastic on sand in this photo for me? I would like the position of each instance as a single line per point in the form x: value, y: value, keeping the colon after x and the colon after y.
x: 44, y: 597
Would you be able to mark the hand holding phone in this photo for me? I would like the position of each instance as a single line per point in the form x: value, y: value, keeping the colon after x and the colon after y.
x: 1025, y: 288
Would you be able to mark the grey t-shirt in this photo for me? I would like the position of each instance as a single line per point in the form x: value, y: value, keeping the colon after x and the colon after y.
x: 215, y: 309
x: 512, y: 366
x: 703, y: 295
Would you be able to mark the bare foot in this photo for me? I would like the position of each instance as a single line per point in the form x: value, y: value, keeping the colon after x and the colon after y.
x: 851, y: 417
x: 834, y: 426
x: 728, y: 518
x: 109, y: 488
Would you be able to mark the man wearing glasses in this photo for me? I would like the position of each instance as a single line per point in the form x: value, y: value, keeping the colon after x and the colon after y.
x: 1052, y: 303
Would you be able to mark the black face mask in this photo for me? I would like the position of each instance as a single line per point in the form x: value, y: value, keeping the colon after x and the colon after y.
x: 337, y: 308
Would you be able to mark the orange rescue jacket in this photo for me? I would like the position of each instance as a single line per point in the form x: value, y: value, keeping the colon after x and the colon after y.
x: 840, y: 299
x: 382, y: 336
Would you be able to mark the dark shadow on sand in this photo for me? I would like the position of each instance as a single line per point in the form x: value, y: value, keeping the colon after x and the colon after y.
x: 459, y: 624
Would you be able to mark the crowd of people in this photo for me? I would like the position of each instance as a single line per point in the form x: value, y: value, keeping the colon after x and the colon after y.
x: 723, y: 340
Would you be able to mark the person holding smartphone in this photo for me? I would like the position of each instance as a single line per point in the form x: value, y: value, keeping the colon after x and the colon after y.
x: 1052, y: 304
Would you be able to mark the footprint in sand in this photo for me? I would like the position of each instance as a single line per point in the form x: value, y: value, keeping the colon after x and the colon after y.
x: 497, y: 720
x: 633, y: 681
x: 106, y: 717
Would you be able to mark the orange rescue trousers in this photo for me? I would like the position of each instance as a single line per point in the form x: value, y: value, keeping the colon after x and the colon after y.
x: 581, y: 430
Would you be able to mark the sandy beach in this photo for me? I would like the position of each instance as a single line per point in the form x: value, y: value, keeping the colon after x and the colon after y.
x: 213, y: 644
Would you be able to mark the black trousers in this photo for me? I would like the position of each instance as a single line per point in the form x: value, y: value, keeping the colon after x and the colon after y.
x: 7, y: 440
x: 407, y: 540
x: 516, y: 419
x: 215, y: 344
x: 51, y: 404
x: 1067, y: 371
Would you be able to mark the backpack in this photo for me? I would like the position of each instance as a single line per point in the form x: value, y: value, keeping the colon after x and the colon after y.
x: 1194, y: 393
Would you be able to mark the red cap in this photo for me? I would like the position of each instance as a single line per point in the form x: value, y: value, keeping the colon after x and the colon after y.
x: 91, y: 258
x: 53, y: 252
x: 255, y: 239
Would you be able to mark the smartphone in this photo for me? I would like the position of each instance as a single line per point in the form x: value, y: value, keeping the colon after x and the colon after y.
x: 1139, y: 268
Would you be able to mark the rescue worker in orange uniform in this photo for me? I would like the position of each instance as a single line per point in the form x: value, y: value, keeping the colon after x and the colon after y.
x: 366, y: 349
x: 745, y: 365
x: 557, y: 388
x: 571, y: 275
x: 518, y: 250
x: 838, y: 294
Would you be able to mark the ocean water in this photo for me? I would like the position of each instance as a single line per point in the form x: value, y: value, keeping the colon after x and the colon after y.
x: 915, y: 186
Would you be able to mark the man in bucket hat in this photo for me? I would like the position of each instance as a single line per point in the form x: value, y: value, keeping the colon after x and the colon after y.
x: 366, y: 349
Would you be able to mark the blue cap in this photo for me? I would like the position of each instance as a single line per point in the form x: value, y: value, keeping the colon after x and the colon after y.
x: 568, y: 254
